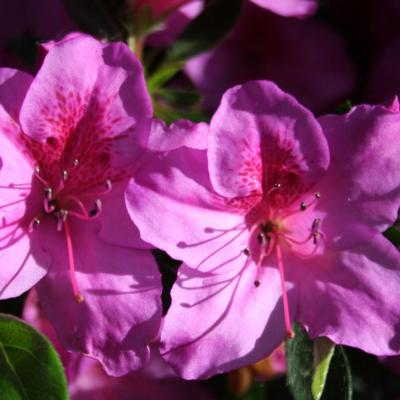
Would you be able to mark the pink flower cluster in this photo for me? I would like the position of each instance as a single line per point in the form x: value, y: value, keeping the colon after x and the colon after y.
x: 276, y: 214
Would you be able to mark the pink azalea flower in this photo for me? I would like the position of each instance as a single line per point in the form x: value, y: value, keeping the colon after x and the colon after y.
x: 70, y: 139
x: 279, y: 220
x: 290, y: 8
x: 88, y: 381
x: 296, y: 54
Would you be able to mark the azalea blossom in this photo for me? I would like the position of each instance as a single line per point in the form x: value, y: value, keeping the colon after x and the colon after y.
x: 278, y: 220
x: 295, y: 54
x: 70, y: 139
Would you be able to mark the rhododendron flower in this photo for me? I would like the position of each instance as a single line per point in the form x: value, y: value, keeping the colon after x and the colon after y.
x: 70, y: 139
x: 279, y: 220
x: 290, y: 8
x: 296, y: 54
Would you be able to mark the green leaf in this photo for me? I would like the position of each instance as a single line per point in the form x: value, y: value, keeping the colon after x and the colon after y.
x: 344, y: 107
x: 323, y: 352
x: 339, y: 383
x: 206, y: 30
x: 299, y: 361
x: 393, y: 234
x: 179, y: 97
x: 163, y: 75
x: 30, y: 368
x: 312, y: 371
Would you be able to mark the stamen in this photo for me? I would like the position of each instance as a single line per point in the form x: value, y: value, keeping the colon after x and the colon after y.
x: 246, y: 251
x: 303, y: 206
x: 61, y: 219
x: 108, y: 187
x: 275, y: 186
x: 34, y: 224
x: 315, y: 230
x: 48, y: 193
x: 75, y: 289
x: 64, y: 175
x: 290, y: 333
x: 37, y: 171
x: 317, y: 195
x: 75, y: 162
x: 96, y: 210
x: 48, y: 205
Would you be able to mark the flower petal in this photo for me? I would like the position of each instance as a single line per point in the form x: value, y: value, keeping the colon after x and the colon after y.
x: 254, y: 121
x: 222, y: 322
x: 19, y: 271
x: 173, y: 205
x: 351, y: 297
x: 117, y: 227
x: 121, y: 311
x: 290, y: 8
x: 85, y: 86
x: 59, y: 96
x: 13, y: 87
x: 361, y: 191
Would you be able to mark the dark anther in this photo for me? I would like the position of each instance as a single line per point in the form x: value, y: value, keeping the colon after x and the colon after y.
x: 65, y: 174
x: 277, y: 185
x: 317, y: 195
x: 303, y: 206
x: 96, y: 210
x: 246, y: 252
x: 75, y: 162
x: 257, y: 283
x: 34, y: 224
x: 48, y: 193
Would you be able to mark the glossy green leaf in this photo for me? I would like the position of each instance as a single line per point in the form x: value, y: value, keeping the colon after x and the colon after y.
x: 206, y: 30
x: 313, y: 373
x: 30, y: 368
x: 299, y: 362
x: 323, y: 352
x: 339, y: 382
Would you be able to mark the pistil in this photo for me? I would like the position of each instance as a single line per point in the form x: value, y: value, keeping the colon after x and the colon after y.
x: 71, y: 260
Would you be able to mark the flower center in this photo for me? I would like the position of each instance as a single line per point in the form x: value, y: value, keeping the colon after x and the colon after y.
x: 61, y: 203
x: 268, y: 232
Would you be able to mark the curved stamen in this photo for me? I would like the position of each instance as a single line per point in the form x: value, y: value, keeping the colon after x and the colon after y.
x: 75, y: 289
x: 108, y: 187
x: 34, y: 224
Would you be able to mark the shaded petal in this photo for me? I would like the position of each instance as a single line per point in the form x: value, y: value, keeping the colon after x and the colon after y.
x: 121, y: 311
x: 351, y: 297
x: 171, y: 202
x: 179, y: 133
x: 253, y: 121
x: 296, y: 54
x: 13, y: 87
x: 116, y: 225
x: 222, y: 322
x: 361, y: 191
x: 290, y: 8
x: 19, y: 271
